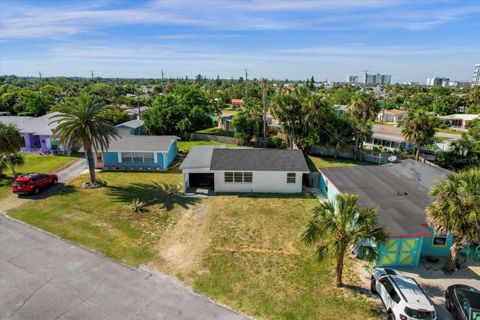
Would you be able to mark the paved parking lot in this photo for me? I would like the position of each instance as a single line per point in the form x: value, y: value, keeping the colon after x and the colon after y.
x: 44, y: 277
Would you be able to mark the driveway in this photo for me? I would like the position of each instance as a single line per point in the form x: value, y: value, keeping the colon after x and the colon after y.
x: 44, y: 277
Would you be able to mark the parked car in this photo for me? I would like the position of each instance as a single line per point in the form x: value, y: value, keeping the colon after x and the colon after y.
x: 402, y: 296
x: 463, y: 302
x: 33, y: 183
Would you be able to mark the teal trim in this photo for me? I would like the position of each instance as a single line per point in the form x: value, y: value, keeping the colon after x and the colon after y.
x: 170, y: 155
x: 428, y: 249
x: 328, y: 189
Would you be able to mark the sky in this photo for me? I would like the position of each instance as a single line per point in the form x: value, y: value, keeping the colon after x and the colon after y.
x: 328, y: 39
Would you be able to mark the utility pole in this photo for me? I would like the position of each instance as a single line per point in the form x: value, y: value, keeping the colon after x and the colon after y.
x: 264, y: 100
x: 163, y: 90
x: 246, y: 79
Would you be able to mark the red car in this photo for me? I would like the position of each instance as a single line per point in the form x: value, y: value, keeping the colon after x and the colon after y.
x: 33, y: 182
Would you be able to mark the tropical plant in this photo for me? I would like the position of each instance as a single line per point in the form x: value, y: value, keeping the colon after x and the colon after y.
x: 337, y: 226
x: 16, y: 158
x: 456, y: 209
x: 136, y: 205
x: 419, y: 127
x: 10, y: 143
x: 82, y: 120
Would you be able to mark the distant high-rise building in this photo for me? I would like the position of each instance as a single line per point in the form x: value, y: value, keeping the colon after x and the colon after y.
x: 377, y: 79
x: 476, y: 75
x: 438, y: 82
x: 352, y: 79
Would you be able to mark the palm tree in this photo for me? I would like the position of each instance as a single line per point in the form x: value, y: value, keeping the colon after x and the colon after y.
x: 419, y: 127
x: 363, y: 109
x: 456, y: 209
x: 10, y: 143
x: 338, y: 226
x: 83, y: 121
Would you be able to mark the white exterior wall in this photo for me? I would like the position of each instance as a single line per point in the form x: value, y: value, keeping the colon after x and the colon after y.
x: 263, y: 181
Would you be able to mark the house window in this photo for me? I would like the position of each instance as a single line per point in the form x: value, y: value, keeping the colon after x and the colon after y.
x: 439, y: 239
x: 238, y: 177
x: 148, y: 157
x: 291, y: 177
x: 127, y: 157
x: 228, y: 176
x: 138, y: 157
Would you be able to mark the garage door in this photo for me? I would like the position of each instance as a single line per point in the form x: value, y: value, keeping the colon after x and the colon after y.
x: 201, y: 180
x: 400, y: 252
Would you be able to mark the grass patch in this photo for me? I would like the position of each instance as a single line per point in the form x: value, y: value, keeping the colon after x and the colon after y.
x: 36, y: 163
x: 185, y: 146
x: 257, y: 264
x: 216, y: 131
x: 100, y: 218
x: 440, y: 139
x: 315, y: 162
x: 453, y: 131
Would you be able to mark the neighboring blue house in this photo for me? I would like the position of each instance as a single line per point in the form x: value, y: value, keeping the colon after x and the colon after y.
x: 400, y: 191
x: 140, y: 153
x: 130, y: 128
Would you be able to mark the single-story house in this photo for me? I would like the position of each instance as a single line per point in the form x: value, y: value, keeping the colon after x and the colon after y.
x: 459, y: 121
x: 388, y: 141
x: 130, y: 128
x: 400, y: 191
x: 148, y: 153
x: 236, y: 103
x: 36, y: 131
x: 222, y: 169
x: 225, y: 122
x: 392, y: 115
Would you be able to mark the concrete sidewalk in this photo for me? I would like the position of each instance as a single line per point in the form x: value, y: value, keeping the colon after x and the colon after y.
x: 44, y: 277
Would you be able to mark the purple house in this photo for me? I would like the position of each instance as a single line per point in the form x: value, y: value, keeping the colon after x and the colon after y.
x: 37, y: 132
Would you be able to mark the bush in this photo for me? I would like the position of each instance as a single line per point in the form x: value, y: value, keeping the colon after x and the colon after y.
x: 98, y: 184
x: 277, y: 142
x: 136, y: 205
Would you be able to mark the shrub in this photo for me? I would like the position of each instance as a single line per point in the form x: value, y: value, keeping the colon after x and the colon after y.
x: 136, y: 205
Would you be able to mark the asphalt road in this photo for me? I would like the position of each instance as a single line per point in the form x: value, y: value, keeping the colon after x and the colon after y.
x: 44, y: 277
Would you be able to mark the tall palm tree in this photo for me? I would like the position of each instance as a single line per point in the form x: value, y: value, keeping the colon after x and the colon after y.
x: 363, y: 109
x: 10, y: 143
x: 419, y: 127
x: 83, y: 121
x: 456, y: 209
x: 337, y: 226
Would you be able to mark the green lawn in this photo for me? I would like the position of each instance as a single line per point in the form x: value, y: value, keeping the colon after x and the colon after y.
x: 100, y: 218
x: 216, y: 131
x: 448, y: 131
x: 249, y: 253
x: 36, y: 163
x: 185, y: 146
x: 315, y: 162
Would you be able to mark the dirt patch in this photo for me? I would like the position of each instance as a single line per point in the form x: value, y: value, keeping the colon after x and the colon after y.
x: 285, y: 251
x: 181, y: 248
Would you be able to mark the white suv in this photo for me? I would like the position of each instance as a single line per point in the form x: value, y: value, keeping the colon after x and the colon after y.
x: 402, y: 296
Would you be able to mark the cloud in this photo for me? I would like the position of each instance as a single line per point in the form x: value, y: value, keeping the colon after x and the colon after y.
x: 67, y: 19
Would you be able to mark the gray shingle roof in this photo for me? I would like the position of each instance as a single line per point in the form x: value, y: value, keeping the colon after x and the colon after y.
x: 399, y: 190
x: 133, y: 124
x: 142, y: 143
x: 258, y: 160
x: 199, y: 157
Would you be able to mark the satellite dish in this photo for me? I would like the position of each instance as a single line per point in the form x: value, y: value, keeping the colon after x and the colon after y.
x: 392, y: 158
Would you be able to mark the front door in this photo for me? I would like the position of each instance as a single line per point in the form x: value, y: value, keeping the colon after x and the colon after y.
x: 99, y: 160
